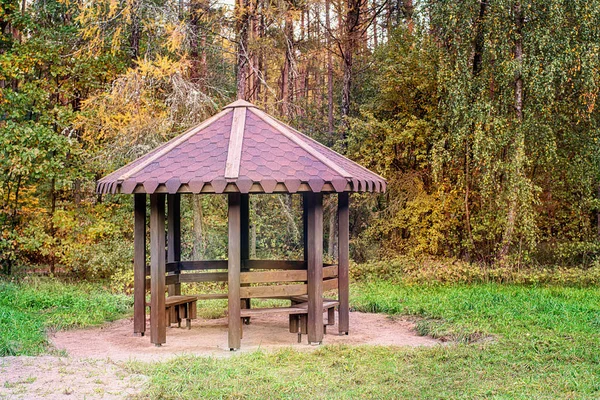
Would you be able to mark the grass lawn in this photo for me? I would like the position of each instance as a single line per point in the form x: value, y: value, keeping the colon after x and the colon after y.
x: 506, y: 342
x: 29, y: 309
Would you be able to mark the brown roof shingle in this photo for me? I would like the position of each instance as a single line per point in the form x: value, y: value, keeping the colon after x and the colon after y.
x: 241, y: 149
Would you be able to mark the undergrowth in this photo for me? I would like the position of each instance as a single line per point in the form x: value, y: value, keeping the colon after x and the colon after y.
x: 28, y: 309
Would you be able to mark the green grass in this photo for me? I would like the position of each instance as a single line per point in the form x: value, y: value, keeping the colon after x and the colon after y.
x: 506, y: 342
x: 28, y: 310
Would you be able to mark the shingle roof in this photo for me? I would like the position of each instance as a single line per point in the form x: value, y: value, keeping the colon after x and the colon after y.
x: 241, y: 149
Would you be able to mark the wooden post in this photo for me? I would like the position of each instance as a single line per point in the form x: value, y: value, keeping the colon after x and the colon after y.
x: 245, y: 239
x: 158, y: 328
x: 343, y: 263
x: 139, y: 264
x: 233, y: 272
x: 305, y: 202
x: 174, y: 236
x: 315, y: 268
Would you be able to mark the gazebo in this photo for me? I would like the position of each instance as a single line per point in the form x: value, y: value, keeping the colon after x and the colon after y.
x: 238, y: 152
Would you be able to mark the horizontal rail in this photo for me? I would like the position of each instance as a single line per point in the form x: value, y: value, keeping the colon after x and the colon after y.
x: 273, y: 291
x: 330, y: 284
x: 273, y: 276
x: 203, y: 277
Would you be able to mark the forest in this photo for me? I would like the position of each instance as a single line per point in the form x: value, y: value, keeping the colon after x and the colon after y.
x: 480, y: 114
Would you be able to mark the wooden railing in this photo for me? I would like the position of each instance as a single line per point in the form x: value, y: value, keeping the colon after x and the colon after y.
x: 265, y: 278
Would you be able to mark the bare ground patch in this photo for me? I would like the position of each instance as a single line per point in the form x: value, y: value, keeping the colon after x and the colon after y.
x: 93, y: 367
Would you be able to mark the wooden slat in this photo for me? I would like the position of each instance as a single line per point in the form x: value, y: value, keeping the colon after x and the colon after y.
x: 330, y: 271
x: 315, y: 268
x: 293, y: 310
x: 203, y: 277
x: 275, y: 264
x: 233, y: 271
x: 273, y: 276
x: 169, y: 280
x: 343, y: 262
x: 171, y: 145
x: 273, y: 291
x: 330, y: 284
x: 202, y: 265
x: 139, y: 264
x: 211, y: 296
x: 234, y: 151
x: 158, y: 329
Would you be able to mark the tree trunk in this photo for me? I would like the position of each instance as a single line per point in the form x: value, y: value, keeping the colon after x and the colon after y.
x: 519, y: 144
x: 329, y: 69
x: 241, y: 12
x: 287, y: 64
x: 134, y: 38
x: 351, y: 31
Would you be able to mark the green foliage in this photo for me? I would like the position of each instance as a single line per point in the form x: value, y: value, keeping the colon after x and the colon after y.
x: 469, y: 174
x: 435, y: 271
x: 29, y: 308
x: 524, y: 343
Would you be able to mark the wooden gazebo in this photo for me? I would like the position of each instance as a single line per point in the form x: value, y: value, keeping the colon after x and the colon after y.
x: 238, y: 152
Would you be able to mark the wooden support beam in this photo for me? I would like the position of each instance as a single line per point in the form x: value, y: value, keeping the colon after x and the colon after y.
x: 233, y: 271
x: 315, y: 268
x: 305, y: 202
x: 139, y: 264
x: 158, y: 328
x: 245, y: 238
x: 343, y: 262
x: 174, y: 236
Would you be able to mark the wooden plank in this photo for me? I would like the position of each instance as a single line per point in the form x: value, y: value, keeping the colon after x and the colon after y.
x: 343, y: 262
x: 204, y: 277
x: 330, y: 271
x: 174, y: 237
x: 139, y: 264
x: 330, y: 284
x: 211, y: 296
x: 171, y: 145
x: 273, y: 276
x: 234, y: 266
x: 275, y: 264
x: 202, y: 265
x: 158, y: 330
x: 315, y: 268
x: 273, y: 291
x: 236, y: 137
x: 169, y: 280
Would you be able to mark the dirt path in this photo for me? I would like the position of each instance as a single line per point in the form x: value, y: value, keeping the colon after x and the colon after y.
x: 93, y: 367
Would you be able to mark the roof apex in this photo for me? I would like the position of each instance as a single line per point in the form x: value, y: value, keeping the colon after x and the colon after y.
x: 239, y: 103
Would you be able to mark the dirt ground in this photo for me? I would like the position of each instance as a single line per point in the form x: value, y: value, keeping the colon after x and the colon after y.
x: 93, y: 365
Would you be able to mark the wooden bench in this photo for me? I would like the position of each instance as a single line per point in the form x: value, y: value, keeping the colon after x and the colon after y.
x: 298, y: 314
x: 178, y: 308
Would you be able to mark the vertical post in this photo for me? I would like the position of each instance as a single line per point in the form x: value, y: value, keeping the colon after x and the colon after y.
x: 343, y: 262
x: 233, y: 272
x: 158, y: 327
x: 174, y: 236
x: 305, y: 202
x: 245, y: 238
x: 315, y: 268
x: 139, y: 264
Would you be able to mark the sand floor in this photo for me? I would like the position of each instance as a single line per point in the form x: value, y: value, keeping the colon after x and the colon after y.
x: 93, y: 365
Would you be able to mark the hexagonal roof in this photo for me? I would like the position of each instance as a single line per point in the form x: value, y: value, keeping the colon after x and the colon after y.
x: 241, y: 149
